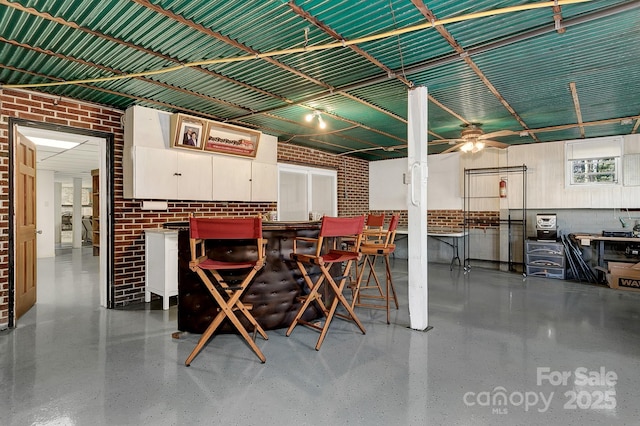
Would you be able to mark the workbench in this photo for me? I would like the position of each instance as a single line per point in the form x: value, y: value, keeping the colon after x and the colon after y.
x: 602, y: 242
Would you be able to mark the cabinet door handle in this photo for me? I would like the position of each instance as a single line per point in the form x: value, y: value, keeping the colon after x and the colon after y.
x: 177, y: 174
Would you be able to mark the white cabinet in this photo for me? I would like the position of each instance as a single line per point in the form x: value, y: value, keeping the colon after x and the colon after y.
x: 153, y: 169
x: 264, y: 182
x: 170, y: 174
x: 231, y: 178
x: 239, y: 179
x: 161, y: 264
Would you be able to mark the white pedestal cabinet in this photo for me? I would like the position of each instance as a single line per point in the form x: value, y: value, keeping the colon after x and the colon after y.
x: 161, y: 264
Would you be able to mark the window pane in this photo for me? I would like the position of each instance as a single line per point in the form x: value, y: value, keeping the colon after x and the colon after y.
x: 594, y: 170
x: 323, y: 194
x: 293, y: 196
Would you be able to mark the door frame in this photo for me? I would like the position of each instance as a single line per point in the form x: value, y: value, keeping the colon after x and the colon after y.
x: 108, y: 198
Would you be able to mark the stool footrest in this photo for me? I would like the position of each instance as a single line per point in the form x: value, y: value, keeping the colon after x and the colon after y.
x: 310, y: 324
x: 370, y: 305
x: 371, y: 296
x: 313, y: 274
x: 232, y: 288
x: 303, y: 298
x: 340, y: 278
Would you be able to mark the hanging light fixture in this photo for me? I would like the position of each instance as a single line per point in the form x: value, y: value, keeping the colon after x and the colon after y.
x: 472, y: 146
x: 316, y: 114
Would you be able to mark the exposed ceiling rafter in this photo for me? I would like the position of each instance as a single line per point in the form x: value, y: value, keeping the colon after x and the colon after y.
x: 465, y: 57
x: 557, y: 18
x: 576, y: 107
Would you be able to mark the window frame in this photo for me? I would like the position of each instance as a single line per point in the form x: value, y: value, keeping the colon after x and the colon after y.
x: 587, y: 174
x: 309, y: 172
x: 590, y: 151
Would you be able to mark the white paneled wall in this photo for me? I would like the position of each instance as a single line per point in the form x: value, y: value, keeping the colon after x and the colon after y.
x: 546, y: 188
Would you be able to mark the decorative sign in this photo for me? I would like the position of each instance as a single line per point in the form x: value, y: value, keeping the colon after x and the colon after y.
x: 188, y: 132
x: 228, y: 139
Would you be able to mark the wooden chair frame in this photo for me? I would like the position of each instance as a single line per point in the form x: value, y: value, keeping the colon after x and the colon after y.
x: 371, y: 250
x: 332, y: 228
x: 374, y: 228
x: 227, y: 296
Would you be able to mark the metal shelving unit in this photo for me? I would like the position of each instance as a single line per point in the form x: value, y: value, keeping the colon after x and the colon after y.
x: 469, y: 222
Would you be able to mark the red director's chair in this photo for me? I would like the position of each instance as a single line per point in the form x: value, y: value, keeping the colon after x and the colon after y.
x: 371, y: 249
x: 332, y: 228
x: 227, y: 296
x: 373, y: 230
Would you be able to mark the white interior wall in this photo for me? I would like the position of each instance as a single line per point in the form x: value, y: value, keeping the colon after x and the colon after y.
x: 546, y: 187
x: 387, y: 190
x: 443, y: 189
x: 582, y: 209
x: 45, y: 213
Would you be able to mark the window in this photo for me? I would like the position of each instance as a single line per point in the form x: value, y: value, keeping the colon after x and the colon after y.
x: 302, y: 190
x: 593, y: 162
x: 594, y: 170
x: 66, y: 200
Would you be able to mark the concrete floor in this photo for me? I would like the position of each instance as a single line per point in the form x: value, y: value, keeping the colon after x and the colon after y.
x: 496, y: 355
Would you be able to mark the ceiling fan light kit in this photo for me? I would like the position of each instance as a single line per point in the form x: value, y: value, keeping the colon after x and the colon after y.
x: 473, y: 139
x: 472, y: 147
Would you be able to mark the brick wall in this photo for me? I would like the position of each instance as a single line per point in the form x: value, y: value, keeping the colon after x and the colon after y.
x: 452, y: 219
x: 130, y: 220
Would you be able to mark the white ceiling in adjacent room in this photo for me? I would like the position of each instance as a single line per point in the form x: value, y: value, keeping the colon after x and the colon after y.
x: 67, y: 163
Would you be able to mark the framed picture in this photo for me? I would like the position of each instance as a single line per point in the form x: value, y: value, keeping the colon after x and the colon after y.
x: 189, y: 132
x: 228, y: 139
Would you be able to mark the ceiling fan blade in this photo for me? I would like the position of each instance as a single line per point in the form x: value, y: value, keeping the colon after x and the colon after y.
x: 453, y: 148
x: 444, y: 141
x: 498, y: 134
x: 495, y: 144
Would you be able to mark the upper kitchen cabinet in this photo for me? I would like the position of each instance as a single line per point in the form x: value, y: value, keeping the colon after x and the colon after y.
x: 241, y: 179
x: 169, y: 175
x: 152, y: 169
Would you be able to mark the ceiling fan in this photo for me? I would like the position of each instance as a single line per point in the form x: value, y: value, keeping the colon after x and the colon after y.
x: 473, y: 139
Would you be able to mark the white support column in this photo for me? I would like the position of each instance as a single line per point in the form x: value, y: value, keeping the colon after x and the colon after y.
x: 417, y: 208
x: 57, y: 211
x: 77, y: 213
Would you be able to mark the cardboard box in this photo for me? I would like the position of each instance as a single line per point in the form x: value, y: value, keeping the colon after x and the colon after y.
x: 624, y: 276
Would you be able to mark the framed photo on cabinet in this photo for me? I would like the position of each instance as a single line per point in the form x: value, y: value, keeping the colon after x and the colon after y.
x: 224, y: 138
x: 188, y: 132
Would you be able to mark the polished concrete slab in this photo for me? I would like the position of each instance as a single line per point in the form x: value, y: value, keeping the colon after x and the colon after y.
x: 503, y: 350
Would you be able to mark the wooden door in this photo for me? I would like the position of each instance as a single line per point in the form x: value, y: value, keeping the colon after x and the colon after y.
x: 25, y: 225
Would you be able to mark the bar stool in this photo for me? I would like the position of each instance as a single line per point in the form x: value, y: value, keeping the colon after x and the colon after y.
x: 332, y: 228
x: 372, y: 231
x: 373, y: 227
x: 227, y: 296
x: 371, y: 250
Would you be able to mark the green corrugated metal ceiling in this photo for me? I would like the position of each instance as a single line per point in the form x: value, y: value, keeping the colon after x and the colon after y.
x: 533, y: 71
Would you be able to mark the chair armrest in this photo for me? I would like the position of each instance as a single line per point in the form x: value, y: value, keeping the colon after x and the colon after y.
x: 262, y: 245
x: 194, y: 263
x: 304, y: 239
x: 308, y: 239
x: 346, y: 253
x: 304, y: 258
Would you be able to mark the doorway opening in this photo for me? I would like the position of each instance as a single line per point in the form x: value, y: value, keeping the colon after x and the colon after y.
x: 67, y: 201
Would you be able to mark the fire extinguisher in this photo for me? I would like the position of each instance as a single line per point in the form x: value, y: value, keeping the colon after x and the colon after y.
x: 503, y: 188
